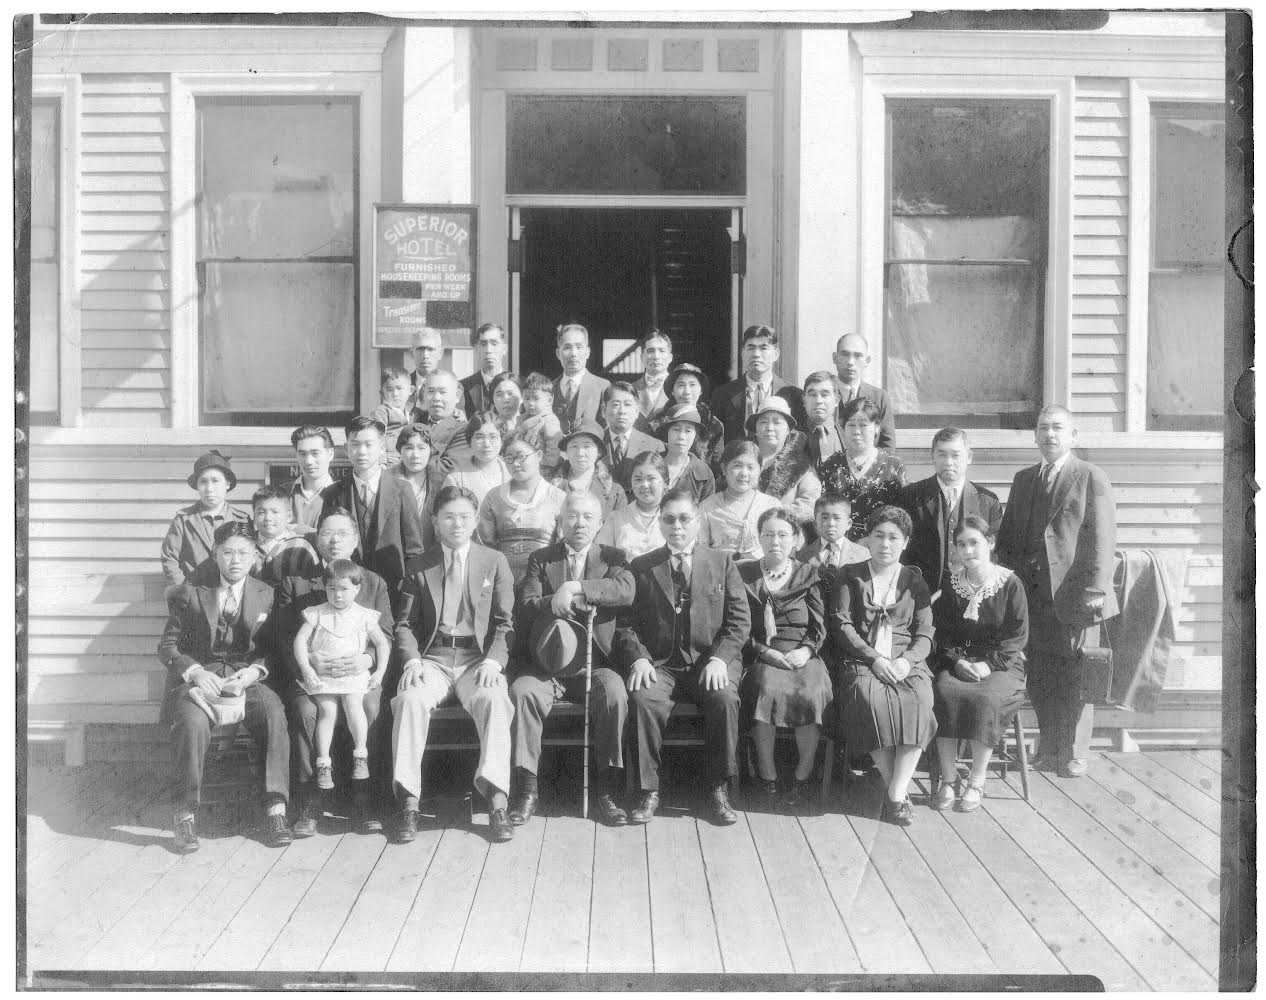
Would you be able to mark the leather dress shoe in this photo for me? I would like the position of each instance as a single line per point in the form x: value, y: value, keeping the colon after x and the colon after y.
x: 801, y: 797
x: 523, y: 807
x: 309, y: 818
x: 898, y: 813
x: 276, y: 831
x: 719, y: 802
x: 1074, y: 767
x: 644, y: 811
x: 405, y: 827
x: 500, y: 826
x: 610, y: 813
x: 184, y: 835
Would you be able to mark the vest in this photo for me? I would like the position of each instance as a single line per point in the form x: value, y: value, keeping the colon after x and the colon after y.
x: 230, y: 640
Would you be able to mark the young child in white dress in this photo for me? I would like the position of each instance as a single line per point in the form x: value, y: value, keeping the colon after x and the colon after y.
x: 341, y: 627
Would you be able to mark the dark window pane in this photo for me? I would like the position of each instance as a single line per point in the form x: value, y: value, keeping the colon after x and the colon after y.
x: 596, y: 145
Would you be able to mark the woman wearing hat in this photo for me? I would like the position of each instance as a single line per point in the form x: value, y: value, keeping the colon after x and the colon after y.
x: 188, y: 543
x: 689, y: 386
x: 584, y: 467
x: 786, y: 472
x: 679, y: 427
x: 868, y: 477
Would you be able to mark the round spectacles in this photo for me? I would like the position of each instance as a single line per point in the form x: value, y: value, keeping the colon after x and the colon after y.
x: 519, y: 458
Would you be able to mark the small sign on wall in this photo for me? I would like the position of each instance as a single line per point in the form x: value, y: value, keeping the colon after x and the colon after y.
x: 424, y: 273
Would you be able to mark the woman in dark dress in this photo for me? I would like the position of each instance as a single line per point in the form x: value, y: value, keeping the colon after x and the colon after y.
x: 982, y: 626
x: 786, y: 683
x: 881, y: 622
x: 868, y: 477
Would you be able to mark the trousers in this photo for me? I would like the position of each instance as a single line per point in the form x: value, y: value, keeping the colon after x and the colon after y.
x: 533, y: 694
x: 651, y: 706
x: 1064, y: 717
x: 301, y: 715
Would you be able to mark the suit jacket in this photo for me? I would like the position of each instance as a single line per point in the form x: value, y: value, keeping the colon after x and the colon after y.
x: 450, y: 448
x: 475, y: 396
x: 585, y: 404
x: 1080, y: 536
x: 607, y: 585
x: 393, y: 544
x: 922, y: 500
x: 720, y: 621
x: 729, y: 403
x: 813, y: 447
x: 887, y: 427
x: 648, y: 405
x: 189, y: 541
x: 622, y: 472
x: 190, y: 631
x: 489, y: 587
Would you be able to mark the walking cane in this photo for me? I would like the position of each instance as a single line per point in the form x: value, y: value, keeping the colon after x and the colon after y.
x: 584, y: 802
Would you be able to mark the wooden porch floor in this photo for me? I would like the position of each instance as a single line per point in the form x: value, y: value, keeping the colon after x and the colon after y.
x: 1113, y: 875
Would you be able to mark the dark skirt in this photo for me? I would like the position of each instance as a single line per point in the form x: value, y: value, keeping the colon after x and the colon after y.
x: 787, y: 697
x: 977, y: 710
x: 873, y: 715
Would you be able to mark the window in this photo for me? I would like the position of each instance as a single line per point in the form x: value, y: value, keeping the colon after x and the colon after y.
x: 277, y: 216
x: 1185, y: 271
x: 965, y: 260
x: 45, y: 254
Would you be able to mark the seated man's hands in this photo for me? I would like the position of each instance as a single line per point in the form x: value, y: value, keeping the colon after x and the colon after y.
x: 411, y: 675
x: 568, y: 598
x: 208, y: 683
x: 488, y: 674
x: 715, y: 676
x: 641, y: 675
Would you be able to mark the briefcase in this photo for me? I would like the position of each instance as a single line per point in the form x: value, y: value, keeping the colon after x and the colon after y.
x: 1095, y: 662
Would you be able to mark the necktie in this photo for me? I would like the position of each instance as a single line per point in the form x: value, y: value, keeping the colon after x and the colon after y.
x: 951, y: 501
x: 1048, y: 476
x: 364, y: 495
x: 569, y: 387
x: 758, y: 397
x: 680, y: 583
x: 832, y: 553
x: 575, y: 571
x: 230, y: 605
x: 826, y: 446
x: 452, y: 594
x: 617, y: 449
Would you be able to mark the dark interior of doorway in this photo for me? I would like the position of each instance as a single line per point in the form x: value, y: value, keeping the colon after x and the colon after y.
x: 621, y: 271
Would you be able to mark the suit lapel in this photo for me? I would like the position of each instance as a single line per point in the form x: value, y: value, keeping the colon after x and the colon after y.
x: 207, y: 597
x: 474, y: 578
x: 203, y: 528
x: 433, y: 574
x: 1063, y: 486
x: 253, y: 604
x: 664, y: 577
x: 386, y: 496
x: 556, y: 569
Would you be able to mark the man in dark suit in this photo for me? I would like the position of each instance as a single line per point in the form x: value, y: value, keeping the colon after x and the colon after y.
x: 1058, y: 534
x: 682, y: 640
x: 441, y: 404
x: 852, y: 358
x: 563, y: 581
x: 212, y: 651
x: 489, y: 343
x: 452, y: 638
x: 938, y: 504
x: 336, y: 539
x: 823, y: 428
x: 577, y: 392
x: 624, y: 442
x: 735, y: 401
x: 657, y: 355
x: 387, y: 521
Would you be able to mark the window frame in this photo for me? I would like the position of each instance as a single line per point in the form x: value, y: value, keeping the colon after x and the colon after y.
x: 1144, y: 92
x: 186, y: 89
x: 64, y: 91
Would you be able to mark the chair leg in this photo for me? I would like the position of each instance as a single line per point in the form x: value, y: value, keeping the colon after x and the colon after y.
x: 828, y: 765
x: 1023, y: 756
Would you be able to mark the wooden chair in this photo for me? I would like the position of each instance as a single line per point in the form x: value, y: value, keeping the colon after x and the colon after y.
x: 232, y: 780
x: 1003, y: 757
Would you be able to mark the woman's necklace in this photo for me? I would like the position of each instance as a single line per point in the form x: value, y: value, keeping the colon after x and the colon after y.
x: 775, y: 578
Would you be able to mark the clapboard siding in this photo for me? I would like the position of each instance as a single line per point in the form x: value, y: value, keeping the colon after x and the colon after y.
x: 125, y: 263
x: 1100, y: 224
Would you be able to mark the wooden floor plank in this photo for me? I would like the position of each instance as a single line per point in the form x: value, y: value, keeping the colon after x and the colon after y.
x: 1193, y: 931
x: 369, y: 934
x: 1131, y: 930
x: 874, y: 924
x: 1194, y: 837
x: 1067, y: 932
x: 58, y: 836
x: 747, y: 924
x: 498, y: 922
x: 811, y: 927
x: 1013, y: 946
x: 685, y: 935
x: 249, y: 935
x: 306, y: 938
x: 1212, y: 759
x: 620, y: 934
x: 1172, y: 788
x: 432, y: 931
x: 1190, y: 770
x: 1186, y: 873
x: 557, y: 937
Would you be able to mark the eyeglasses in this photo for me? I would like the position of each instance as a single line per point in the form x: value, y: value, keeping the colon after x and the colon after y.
x: 678, y: 519
x: 519, y: 458
x: 330, y: 535
x: 778, y: 536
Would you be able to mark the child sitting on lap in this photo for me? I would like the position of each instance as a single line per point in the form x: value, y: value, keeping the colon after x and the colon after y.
x: 394, y: 412
x: 540, y: 421
x: 341, y: 627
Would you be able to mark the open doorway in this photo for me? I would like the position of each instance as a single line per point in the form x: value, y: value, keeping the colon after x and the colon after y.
x: 620, y: 271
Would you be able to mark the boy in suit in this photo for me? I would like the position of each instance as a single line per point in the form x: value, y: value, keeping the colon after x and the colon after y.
x: 563, y: 581
x: 832, y: 549
x: 489, y: 343
x: 852, y: 358
x: 682, y: 640
x: 314, y: 451
x: 387, y: 519
x: 578, y: 392
x: 938, y: 504
x: 736, y: 401
x: 1058, y: 534
x: 190, y: 536
x: 210, y: 645
x: 623, y: 441
x: 453, y: 639
x: 657, y: 355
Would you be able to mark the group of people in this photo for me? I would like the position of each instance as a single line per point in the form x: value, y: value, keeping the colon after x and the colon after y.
x: 753, y: 549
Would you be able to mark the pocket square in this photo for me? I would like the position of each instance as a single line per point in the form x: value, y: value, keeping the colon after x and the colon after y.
x: 263, y: 617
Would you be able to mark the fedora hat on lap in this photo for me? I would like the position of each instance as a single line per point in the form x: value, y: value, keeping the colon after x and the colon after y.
x: 558, y: 645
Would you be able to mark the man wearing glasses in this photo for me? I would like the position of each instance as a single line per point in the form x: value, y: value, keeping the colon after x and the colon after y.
x: 682, y: 640
x: 336, y: 538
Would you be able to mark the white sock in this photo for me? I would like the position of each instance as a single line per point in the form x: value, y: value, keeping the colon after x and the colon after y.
x: 276, y: 809
x: 323, y: 762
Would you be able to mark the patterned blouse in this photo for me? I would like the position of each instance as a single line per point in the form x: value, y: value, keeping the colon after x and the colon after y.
x: 518, y: 529
x: 879, y: 486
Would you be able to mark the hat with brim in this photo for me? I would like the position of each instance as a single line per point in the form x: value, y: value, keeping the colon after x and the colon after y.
x: 774, y: 404
x: 685, y: 368
x: 589, y: 429
x: 558, y: 645
x: 680, y: 414
x: 211, y: 460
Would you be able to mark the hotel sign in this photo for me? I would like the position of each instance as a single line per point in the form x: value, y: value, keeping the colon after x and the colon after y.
x: 424, y: 273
